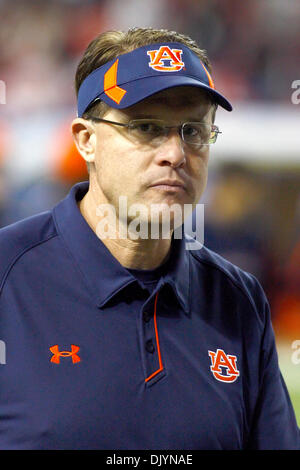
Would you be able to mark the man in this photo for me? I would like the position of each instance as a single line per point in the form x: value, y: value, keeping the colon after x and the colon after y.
x: 119, y: 341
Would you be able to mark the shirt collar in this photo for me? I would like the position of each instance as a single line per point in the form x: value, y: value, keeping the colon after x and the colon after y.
x: 104, y: 275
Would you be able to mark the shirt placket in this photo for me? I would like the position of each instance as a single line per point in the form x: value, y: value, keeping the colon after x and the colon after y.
x: 150, y: 340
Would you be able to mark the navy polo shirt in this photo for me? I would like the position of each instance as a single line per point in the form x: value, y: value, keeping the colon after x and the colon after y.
x: 93, y: 359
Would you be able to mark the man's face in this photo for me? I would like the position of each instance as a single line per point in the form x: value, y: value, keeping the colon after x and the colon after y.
x: 145, y: 173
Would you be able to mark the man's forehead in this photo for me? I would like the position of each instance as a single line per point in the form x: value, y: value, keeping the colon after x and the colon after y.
x: 189, y: 100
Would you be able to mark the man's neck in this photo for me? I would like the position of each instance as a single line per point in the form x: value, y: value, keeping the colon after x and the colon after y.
x: 133, y: 254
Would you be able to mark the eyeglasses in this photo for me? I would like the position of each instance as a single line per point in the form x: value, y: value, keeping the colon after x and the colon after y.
x: 154, y: 131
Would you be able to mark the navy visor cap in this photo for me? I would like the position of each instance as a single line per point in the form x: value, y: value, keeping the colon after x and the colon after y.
x: 143, y: 72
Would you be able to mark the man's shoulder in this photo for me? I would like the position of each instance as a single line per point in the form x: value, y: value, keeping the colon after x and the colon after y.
x: 226, y: 271
x: 21, y: 236
x: 210, y: 258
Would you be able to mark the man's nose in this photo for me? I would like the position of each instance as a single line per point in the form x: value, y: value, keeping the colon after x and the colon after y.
x: 172, y: 151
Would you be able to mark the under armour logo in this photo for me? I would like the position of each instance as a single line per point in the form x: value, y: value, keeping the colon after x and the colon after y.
x: 58, y: 354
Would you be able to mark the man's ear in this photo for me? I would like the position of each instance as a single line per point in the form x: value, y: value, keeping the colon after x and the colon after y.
x: 84, y: 137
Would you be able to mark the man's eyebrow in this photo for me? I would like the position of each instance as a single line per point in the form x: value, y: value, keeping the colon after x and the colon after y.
x: 146, y: 116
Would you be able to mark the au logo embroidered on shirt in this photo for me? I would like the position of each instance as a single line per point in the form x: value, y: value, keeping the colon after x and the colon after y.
x: 58, y: 354
x: 166, y: 59
x: 223, y: 366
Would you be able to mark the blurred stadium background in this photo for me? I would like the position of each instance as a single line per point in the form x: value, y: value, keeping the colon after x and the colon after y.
x: 252, y: 202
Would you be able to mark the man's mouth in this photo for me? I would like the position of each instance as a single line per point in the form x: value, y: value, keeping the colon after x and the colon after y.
x: 169, y: 185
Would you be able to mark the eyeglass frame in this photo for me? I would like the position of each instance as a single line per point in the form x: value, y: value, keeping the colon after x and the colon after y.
x: 179, y: 128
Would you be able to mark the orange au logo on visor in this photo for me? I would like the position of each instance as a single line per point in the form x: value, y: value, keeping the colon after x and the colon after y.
x: 165, y: 59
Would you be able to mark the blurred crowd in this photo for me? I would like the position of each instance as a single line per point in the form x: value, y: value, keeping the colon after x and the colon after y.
x: 253, y: 45
x: 252, y: 216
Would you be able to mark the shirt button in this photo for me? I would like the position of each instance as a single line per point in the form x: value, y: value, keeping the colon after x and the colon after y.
x: 150, y: 346
x: 146, y: 316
